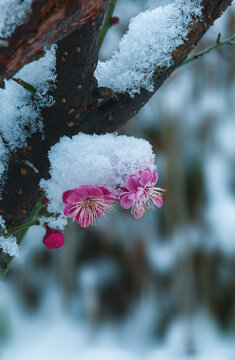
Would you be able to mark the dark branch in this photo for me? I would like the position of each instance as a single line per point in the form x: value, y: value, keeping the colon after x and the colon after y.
x: 48, y: 22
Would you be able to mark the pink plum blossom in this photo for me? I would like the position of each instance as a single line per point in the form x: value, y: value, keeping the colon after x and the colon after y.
x: 87, y: 203
x: 54, y: 239
x: 140, y: 194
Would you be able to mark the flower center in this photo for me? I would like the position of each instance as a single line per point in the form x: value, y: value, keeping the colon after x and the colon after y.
x: 90, y: 208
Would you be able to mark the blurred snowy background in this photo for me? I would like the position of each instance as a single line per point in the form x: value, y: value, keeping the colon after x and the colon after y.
x: 162, y: 287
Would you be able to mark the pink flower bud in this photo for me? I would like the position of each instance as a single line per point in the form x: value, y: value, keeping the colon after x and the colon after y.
x: 54, y: 239
x: 114, y: 20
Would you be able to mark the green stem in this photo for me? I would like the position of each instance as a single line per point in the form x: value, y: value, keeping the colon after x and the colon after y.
x: 32, y: 220
x: 25, y: 85
x: 218, y: 43
x: 228, y: 41
x: 24, y: 226
x: 106, y: 24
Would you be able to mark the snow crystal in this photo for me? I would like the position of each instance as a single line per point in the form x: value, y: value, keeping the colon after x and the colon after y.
x: 2, y: 223
x: 4, y: 154
x: 54, y: 222
x: 9, y: 245
x: 13, y: 13
x: 20, y: 115
x: 96, y: 160
x: 152, y: 37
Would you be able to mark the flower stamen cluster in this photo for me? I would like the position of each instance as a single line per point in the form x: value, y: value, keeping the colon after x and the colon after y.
x: 140, y: 194
x: 87, y: 203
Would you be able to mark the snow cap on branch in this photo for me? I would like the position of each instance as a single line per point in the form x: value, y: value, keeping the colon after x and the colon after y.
x: 95, y: 160
x: 151, y: 39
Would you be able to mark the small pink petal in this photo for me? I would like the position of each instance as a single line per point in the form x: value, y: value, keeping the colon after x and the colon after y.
x: 100, y: 213
x: 65, y: 195
x: 74, y: 195
x: 125, y: 202
x: 68, y: 210
x: 154, y: 177
x: 94, y: 191
x: 158, y: 201
x: 138, y: 212
x: 104, y: 190
x: 132, y: 183
x: 145, y: 177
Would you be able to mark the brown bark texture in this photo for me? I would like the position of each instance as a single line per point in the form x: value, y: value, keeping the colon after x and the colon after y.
x: 47, y: 23
x: 77, y: 102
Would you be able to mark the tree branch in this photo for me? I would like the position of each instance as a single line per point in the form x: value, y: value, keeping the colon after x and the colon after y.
x: 48, y: 22
x: 78, y: 107
x: 219, y: 43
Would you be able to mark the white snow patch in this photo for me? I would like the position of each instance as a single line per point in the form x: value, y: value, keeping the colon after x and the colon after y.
x: 20, y: 115
x: 4, y: 154
x: 96, y: 160
x: 2, y: 223
x: 54, y: 222
x: 13, y: 13
x: 9, y: 245
x: 152, y: 37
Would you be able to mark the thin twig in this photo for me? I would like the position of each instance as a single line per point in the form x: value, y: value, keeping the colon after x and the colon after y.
x: 106, y: 24
x: 228, y: 41
x: 218, y: 43
x: 25, y: 85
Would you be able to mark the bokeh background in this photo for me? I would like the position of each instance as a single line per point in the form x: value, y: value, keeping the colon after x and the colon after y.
x: 162, y: 287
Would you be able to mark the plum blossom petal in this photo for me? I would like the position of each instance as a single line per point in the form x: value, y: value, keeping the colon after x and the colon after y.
x: 74, y: 196
x: 158, y: 201
x: 138, y: 212
x: 87, y: 203
x: 126, y: 202
x: 154, y: 177
x: 140, y: 193
x: 132, y: 183
x: 145, y: 178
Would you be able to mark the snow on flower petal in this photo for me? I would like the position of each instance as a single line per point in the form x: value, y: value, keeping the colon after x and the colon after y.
x: 87, y: 203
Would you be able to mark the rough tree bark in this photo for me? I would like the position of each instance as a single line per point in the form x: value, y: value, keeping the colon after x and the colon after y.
x: 76, y: 107
x: 48, y: 22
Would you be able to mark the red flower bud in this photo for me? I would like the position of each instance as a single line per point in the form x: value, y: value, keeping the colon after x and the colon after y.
x: 54, y: 239
x: 46, y: 201
x: 114, y: 20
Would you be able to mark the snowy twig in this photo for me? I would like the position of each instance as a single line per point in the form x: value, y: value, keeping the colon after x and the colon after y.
x: 218, y: 43
x: 228, y: 41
